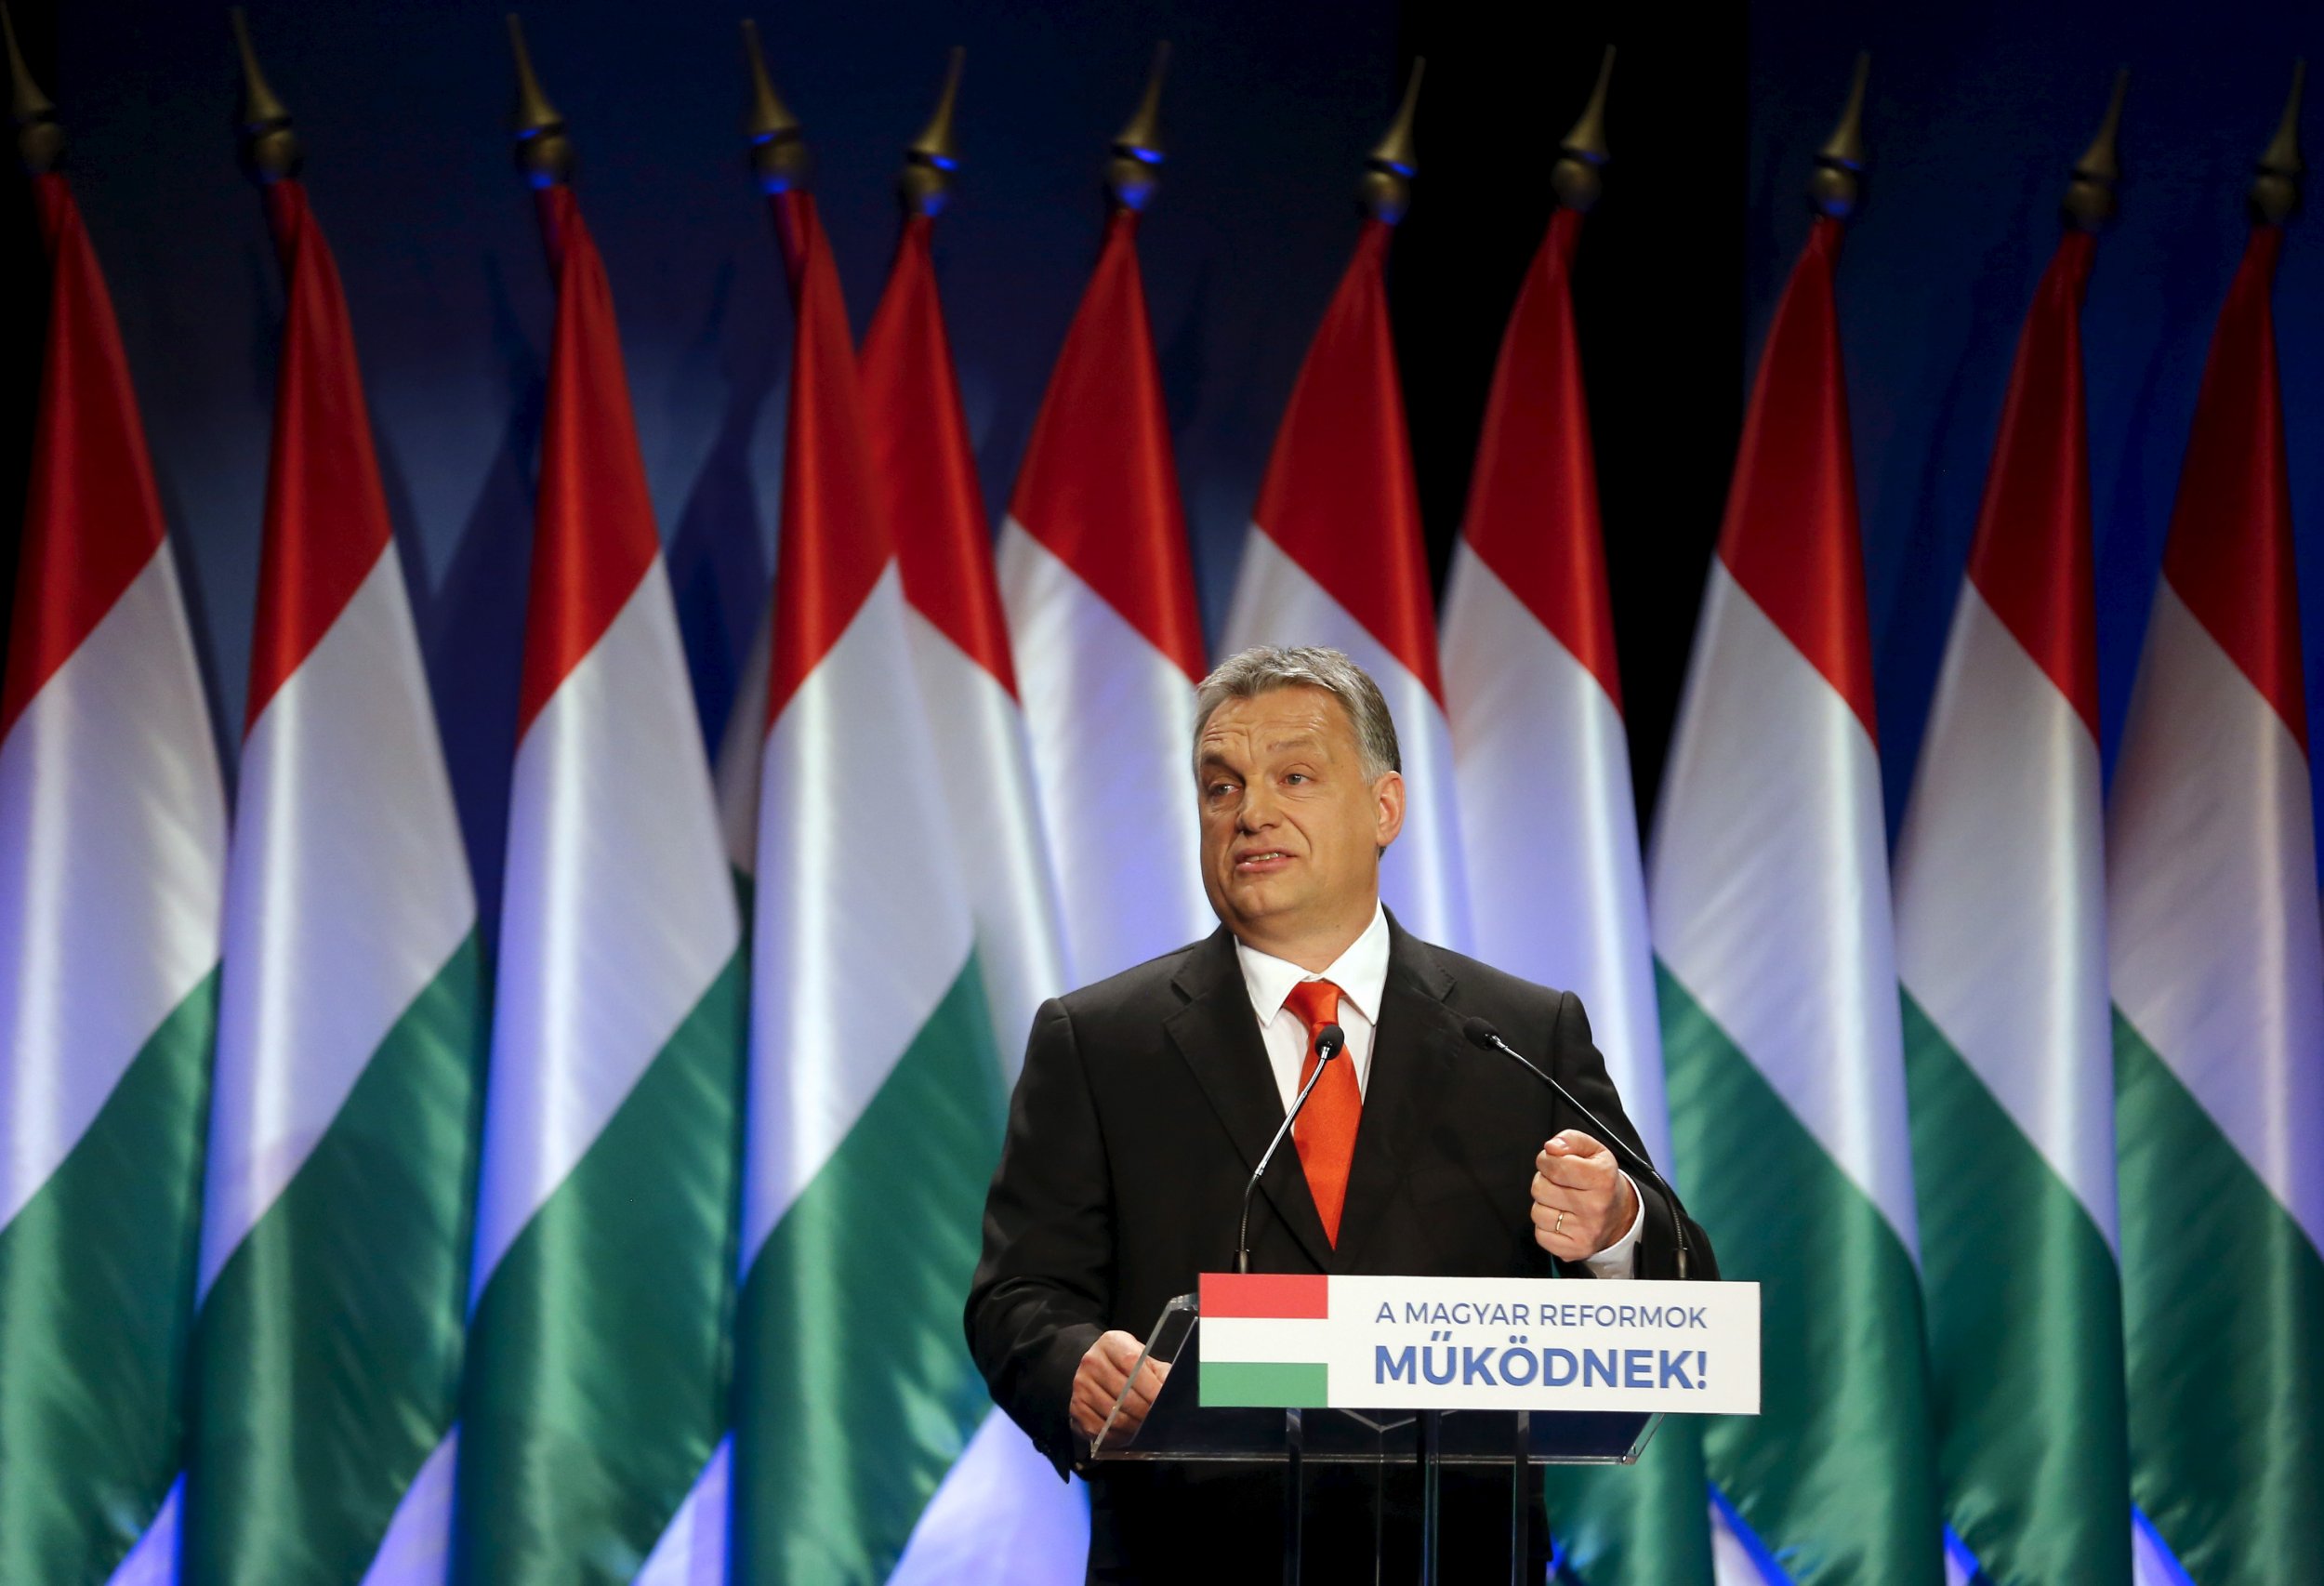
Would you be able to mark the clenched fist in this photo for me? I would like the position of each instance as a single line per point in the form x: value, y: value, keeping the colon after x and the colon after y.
x: 1105, y: 1366
x: 1581, y: 1202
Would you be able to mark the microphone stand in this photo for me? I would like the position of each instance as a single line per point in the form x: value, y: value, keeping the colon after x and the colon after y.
x: 1485, y: 1036
x: 1329, y: 1041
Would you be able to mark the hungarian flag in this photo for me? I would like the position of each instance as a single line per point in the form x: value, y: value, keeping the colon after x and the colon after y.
x: 1100, y: 593
x: 603, y: 1273
x: 2218, y: 986
x: 113, y: 867
x: 1001, y: 1514
x: 1335, y: 557
x: 1541, y: 764
x: 2001, y: 944
x: 1768, y: 893
x: 338, y: 1218
x: 874, y: 1094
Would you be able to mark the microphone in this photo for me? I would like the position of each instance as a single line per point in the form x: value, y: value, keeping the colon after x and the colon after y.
x: 1329, y: 1040
x: 1481, y: 1033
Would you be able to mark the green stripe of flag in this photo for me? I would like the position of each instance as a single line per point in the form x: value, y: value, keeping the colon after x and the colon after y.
x: 1642, y: 1525
x: 2223, y: 1299
x: 597, y: 1353
x: 327, y: 1353
x: 2025, y: 1335
x: 855, y: 1393
x: 96, y: 1275
x: 1833, y: 1474
x: 1266, y: 1385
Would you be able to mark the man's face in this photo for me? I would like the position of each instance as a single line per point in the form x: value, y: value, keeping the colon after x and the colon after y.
x: 1292, y: 830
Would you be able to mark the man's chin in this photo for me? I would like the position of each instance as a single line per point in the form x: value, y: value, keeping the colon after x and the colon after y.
x: 1255, y: 898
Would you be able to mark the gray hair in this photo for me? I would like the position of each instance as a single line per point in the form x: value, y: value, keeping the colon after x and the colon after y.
x: 1264, y: 668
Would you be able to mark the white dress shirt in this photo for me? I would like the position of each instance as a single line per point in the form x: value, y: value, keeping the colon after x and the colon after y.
x: 1361, y: 973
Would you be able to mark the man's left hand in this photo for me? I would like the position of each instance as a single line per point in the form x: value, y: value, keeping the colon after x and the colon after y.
x: 1581, y: 1202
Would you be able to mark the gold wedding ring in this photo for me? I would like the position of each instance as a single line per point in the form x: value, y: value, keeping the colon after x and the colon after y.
x: 1559, y: 1226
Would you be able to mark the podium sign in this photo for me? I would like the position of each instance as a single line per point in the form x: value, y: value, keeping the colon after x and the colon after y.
x: 1303, y: 1341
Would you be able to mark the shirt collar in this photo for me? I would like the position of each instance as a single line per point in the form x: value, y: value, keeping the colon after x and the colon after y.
x: 1361, y: 973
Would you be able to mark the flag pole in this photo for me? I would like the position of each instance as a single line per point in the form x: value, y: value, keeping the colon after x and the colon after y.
x: 544, y: 152
x: 779, y: 158
x: 1578, y: 177
x: 2090, y: 201
x: 271, y: 150
x: 1395, y: 159
x: 929, y: 161
x: 1837, y: 188
x: 39, y: 135
x: 778, y: 143
x: 2275, y: 185
x: 1132, y: 174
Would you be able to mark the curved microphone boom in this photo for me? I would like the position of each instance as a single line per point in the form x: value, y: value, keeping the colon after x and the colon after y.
x: 1329, y: 1041
x: 1482, y: 1032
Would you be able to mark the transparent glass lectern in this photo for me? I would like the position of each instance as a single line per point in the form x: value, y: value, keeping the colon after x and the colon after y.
x: 1179, y: 1429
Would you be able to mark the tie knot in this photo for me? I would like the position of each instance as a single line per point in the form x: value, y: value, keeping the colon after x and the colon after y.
x: 1316, y: 1002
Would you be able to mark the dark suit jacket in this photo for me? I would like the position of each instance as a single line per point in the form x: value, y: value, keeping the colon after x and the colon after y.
x: 1145, y: 1102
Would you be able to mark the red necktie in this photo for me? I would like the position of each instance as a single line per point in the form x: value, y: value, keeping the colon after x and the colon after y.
x: 1326, y: 1133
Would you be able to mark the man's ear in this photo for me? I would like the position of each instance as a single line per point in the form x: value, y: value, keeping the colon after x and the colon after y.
x: 1387, y: 808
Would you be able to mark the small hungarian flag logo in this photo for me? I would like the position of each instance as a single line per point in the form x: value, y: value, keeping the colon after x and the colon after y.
x: 1263, y: 1340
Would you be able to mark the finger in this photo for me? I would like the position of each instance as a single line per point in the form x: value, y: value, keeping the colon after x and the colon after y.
x: 1120, y: 1349
x: 1575, y: 1173
x: 1550, y: 1199
x: 1101, y: 1375
x: 1565, y: 1197
x: 1565, y: 1246
x: 1150, y: 1381
x: 1574, y: 1143
x: 1092, y: 1403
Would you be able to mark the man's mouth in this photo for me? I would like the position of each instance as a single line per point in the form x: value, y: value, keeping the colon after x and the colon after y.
x: 1260, y: 861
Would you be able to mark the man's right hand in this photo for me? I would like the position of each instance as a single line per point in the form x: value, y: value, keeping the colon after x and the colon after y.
x: 1098, y: 1382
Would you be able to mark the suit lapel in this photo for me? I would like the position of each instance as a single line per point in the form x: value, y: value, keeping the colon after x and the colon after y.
x: 1218, y: 1036
x: 1414, y: 1046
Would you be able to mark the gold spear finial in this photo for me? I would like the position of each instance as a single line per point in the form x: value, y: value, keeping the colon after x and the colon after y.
x: 39, y: 136
x: 2276, y: 190
x: 270, y: 148
x: 1837, y: 185
x: 2090, y: 191
x: 930, y: 159
x: 544, y: 152
x: 1574, y: 178
x: 1395, y: 159
x: 778, y: 143
x: 1131, y: 174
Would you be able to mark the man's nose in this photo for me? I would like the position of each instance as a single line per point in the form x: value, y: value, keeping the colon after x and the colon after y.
x: 1256, y: 809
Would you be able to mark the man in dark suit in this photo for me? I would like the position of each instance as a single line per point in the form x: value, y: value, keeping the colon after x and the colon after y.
x: 1147, y: 1100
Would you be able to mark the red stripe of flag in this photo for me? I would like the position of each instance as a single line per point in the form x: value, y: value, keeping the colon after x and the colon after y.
x: 92, y: 519
x: 1340, y: 496
x: 835, y: 540
x: 327, y: 516
x: 1282, y: 1295
x: 1789, y: 538
x: 1533, y: 504
x: 593, y: 536
x: 2031, y: 560
x: 1098, y: 486
x: 921, y: 456
x: 2229, y: 554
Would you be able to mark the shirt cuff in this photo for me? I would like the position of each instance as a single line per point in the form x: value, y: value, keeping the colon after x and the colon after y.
x: 1620, y: 1258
